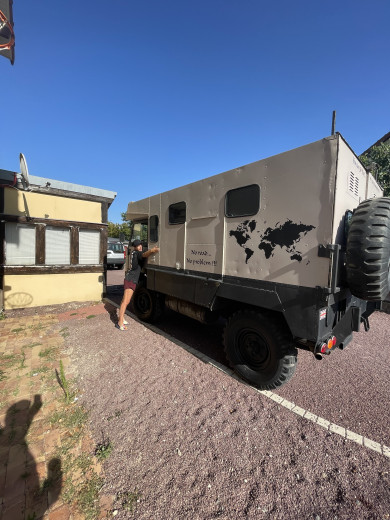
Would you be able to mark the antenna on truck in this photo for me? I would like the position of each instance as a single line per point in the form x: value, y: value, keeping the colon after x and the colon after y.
x: 333, y: 123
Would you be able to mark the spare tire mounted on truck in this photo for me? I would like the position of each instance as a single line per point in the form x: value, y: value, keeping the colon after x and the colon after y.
x: 368, y: 250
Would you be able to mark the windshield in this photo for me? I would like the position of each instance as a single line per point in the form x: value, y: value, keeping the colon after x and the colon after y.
x: 140, y: 232
x: 115, y: 248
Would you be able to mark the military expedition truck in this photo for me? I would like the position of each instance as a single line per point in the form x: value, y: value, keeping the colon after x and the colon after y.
x: 292, y: 251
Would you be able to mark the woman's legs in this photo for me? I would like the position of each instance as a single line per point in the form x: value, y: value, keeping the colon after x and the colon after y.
x: 127, y: 294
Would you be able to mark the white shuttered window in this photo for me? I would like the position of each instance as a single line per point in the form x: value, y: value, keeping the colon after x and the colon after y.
x: 57, y: 250
x: 89, y: 246
x: 20, y: 244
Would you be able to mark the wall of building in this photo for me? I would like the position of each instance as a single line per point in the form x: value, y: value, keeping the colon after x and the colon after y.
x: 47, y: 206
x: 75, y: 274
x: 31, y: 290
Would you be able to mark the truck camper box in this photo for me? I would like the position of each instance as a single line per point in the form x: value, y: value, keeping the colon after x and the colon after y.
x: 293, y: 251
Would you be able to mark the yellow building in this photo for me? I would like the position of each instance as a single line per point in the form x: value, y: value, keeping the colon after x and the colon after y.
x: 53, y: 241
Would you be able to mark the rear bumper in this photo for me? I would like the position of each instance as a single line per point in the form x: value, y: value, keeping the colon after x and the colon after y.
x: 115, y: 261
x: 342, y: 319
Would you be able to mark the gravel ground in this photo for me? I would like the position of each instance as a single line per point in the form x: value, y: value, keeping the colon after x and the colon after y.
x: 191, y: 442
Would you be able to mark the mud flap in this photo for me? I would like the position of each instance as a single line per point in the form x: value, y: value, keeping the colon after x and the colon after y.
x: 356, y: 318
x: 349, y: 322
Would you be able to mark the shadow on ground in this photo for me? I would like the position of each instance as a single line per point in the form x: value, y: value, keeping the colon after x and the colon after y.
x: 24, y: 493
x: 205, y: 338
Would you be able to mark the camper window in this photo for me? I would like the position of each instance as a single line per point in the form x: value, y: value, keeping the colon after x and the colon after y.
x: 242, y: 202
x: 177, y: 213
x: 153, y: 228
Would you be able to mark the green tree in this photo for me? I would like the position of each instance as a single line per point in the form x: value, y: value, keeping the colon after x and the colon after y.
x: 377, y: 160
x: 123, y: 229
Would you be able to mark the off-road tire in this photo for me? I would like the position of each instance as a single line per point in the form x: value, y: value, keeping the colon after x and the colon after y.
x: 368, y: 250
x: 259, y: 349
x: 148, y: 305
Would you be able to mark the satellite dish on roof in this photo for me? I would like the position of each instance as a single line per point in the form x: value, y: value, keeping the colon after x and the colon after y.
x: 24, y: 169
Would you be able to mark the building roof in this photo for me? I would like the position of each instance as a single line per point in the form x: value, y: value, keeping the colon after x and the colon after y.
x: 44, y: 185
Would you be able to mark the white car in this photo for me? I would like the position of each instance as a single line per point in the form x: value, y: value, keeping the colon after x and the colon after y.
x: 115, y: 255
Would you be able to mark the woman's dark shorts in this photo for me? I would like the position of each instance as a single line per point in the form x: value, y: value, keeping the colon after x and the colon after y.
x: 129, y: 285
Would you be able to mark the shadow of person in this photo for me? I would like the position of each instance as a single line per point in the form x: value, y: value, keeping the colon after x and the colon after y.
x: 112, y: 311
x: 23, y: 493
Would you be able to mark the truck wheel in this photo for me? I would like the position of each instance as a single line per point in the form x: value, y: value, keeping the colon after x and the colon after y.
x: 259, y: 349
x: 368, y: 250
x: 147, y: 304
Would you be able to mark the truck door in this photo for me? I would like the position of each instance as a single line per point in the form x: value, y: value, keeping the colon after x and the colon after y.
x: 173, y: 230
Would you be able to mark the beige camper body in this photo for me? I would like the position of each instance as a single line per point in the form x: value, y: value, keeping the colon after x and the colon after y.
x: 266, y: 246
x: 304, y: 194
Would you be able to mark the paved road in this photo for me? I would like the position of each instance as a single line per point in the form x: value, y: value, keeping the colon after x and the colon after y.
x: 349, y: 388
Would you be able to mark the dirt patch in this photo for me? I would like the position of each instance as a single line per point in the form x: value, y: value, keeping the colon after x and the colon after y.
x: 49, y: 465
x: 51, y: 309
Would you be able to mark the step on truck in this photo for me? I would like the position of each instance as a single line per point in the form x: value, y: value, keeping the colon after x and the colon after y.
x: 291, y: 251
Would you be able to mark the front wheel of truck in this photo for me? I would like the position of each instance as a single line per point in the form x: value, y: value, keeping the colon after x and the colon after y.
x: 148, y: 305
x: 259, y: 349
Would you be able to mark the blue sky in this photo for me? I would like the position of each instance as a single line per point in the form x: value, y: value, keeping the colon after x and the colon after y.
x: 142, y: 97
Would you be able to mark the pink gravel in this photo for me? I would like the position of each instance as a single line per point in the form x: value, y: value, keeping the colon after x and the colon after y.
x: 191, y: 442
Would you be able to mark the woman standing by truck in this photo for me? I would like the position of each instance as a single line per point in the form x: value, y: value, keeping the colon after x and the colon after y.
x: 131, y: 278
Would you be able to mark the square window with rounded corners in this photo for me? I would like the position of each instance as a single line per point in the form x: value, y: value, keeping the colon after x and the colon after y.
x: 243, y: 202
x: 177, y: 213
x: 153, y: 228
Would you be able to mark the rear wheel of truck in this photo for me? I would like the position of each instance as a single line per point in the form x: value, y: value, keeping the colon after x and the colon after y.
x: 259, y: 349
x: 368, y: 250
x: 148, y: 305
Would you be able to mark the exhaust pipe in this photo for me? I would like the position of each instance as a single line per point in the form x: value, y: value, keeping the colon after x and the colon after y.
x: 188, y: 309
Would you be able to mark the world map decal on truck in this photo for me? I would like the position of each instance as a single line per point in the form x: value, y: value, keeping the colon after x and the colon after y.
x: 285, y: 235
